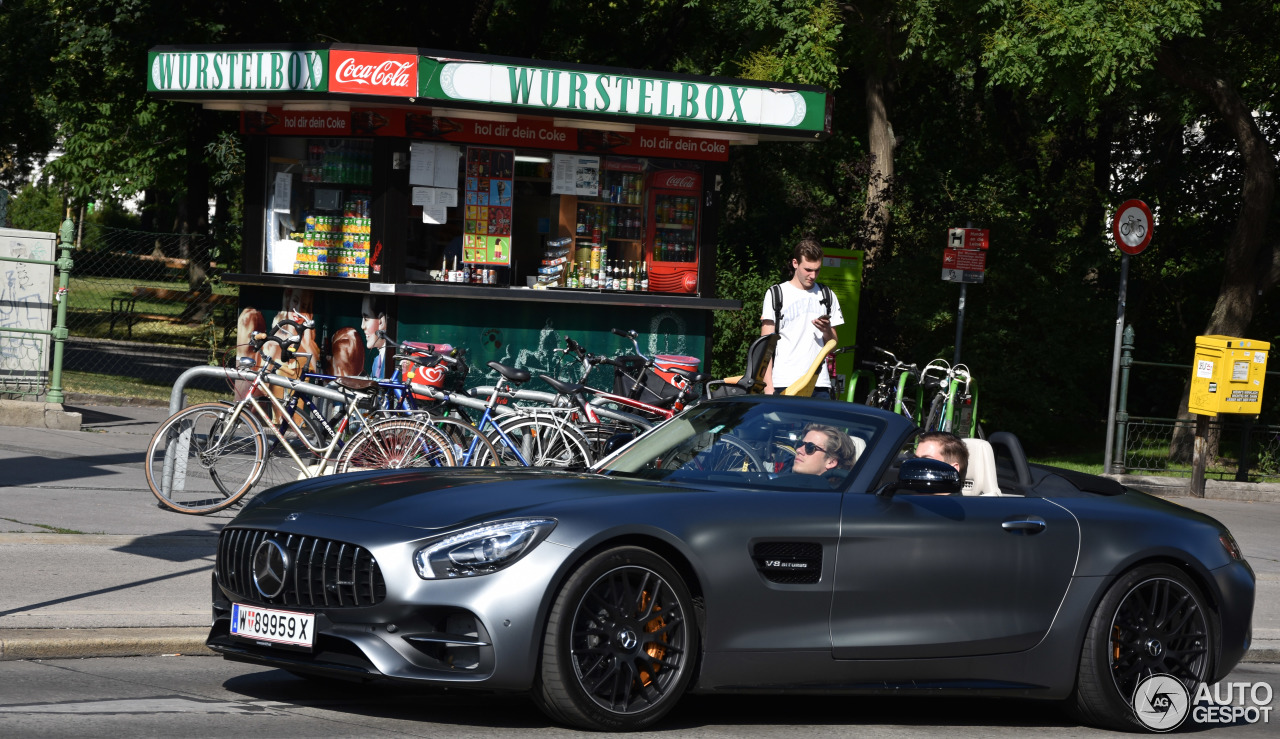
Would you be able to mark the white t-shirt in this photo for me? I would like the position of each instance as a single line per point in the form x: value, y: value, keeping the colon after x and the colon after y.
x: 799, y: 341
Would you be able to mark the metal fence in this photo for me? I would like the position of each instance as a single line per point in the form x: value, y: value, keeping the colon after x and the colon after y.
x: 142, y: 306
x: 1247, y: 451
x: 1247, y: 447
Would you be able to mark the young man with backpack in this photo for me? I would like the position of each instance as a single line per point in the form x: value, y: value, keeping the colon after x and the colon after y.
x: 805, y: 314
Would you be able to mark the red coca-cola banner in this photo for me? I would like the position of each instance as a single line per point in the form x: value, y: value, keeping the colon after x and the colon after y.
x: 528, y: 133
x: 372, y: 73
x: 279, y: 122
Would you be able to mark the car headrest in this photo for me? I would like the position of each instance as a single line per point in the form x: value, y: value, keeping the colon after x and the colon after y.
x: 980, y: 476
x: 859, y: 446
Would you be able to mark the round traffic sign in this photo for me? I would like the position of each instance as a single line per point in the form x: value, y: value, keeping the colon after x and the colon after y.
x: 1132, y: 226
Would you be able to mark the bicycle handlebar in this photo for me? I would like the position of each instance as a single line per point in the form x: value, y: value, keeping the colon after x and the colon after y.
x: 301, y: 326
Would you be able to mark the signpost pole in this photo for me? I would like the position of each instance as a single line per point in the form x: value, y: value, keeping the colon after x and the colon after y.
x: 1108, y: 459
x: 1131, y: 227
x: 960, y: 323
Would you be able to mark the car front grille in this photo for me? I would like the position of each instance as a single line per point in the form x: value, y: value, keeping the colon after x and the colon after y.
x: 322, y: 573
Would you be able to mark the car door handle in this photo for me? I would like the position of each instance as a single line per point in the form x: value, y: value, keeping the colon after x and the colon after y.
x: 1024, y: 525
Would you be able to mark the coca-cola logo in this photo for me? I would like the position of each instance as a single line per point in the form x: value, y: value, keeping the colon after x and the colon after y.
x: 679, y: 182
x: 375, y: 73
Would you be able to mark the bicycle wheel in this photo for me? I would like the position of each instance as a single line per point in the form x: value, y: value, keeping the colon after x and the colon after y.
x: 199, y: 462
x: 396, y: 444
x: 933, y: 421
x: 543, y: 441
x: 470, y: 447
x: 281, y: 467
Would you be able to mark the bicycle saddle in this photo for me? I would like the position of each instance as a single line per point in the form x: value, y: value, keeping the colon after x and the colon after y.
x: 355, y: 383
x: 564, y: 388
x: 511, y: 373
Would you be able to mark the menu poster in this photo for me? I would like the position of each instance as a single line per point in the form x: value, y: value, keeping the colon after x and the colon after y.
x: 486, y: 233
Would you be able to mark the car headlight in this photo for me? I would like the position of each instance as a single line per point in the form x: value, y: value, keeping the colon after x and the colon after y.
x: 481, y: 549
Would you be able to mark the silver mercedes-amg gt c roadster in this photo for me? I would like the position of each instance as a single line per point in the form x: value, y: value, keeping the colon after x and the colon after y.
x: 749, y: 545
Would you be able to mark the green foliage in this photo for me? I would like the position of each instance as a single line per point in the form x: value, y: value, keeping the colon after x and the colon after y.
x: 37, y: 208
x: 733, y: 331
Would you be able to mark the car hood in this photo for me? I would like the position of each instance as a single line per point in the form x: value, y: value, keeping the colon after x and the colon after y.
x: 435, y: 499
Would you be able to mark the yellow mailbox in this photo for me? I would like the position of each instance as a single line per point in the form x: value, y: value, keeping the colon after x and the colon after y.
x: 1228, y: 375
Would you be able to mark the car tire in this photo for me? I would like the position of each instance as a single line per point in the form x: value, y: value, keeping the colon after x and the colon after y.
x: 1153, y: 620
x: 620, y: 645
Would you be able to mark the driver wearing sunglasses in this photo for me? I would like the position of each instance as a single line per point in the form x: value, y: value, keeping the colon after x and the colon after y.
x: 822, y: 450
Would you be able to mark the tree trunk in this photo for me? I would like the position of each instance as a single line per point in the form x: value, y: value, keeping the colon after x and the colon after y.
x: 880, y: 141
x: 1248, y: 266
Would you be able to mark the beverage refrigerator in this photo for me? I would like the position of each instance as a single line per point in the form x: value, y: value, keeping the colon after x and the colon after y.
x: 671, y: 242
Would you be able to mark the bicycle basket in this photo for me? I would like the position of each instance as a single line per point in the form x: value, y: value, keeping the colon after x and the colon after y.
x: 657, y: 383
x: 429, y: 376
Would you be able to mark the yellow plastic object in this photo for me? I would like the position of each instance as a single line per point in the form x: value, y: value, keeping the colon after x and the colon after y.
x: 1227, y: 375
x: 804, y: 386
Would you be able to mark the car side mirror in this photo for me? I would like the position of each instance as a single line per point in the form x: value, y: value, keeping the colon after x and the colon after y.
x: 927, y: 476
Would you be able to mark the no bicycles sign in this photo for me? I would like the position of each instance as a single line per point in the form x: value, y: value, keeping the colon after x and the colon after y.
x: 1132, y: 226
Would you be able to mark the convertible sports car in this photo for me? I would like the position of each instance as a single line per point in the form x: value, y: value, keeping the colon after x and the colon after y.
x: 707, y: 556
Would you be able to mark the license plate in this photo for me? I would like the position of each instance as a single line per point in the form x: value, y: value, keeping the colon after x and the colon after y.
x: 269, y: 625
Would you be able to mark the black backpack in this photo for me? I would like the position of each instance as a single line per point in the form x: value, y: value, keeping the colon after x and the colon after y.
x: 776, y: 292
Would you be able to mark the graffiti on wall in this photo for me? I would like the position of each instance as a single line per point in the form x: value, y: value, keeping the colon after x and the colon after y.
x: 25, y: 291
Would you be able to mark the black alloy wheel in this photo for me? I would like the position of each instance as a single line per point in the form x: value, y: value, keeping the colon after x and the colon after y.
x: 1152, y: 621
x: 620, y: 645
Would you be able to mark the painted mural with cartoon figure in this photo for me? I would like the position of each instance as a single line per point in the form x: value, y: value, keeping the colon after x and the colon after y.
x: 517, y: 334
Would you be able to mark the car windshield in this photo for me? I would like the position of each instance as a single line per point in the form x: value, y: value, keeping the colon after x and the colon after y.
x: 753, y: 444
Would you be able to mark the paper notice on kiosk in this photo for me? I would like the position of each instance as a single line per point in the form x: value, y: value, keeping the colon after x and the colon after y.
x: 435, y: 214
x: 575, y: 175
x: 446, y: 166
x: 280, y: 199
x: 425, y: 196
x: 422, y: 163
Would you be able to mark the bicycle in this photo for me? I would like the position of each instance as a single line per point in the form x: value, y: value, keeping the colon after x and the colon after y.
x: 207, y: 456
x: 394, y: 400
x: 541, y: 437
x: 954, y: 404
x: 890, y: 390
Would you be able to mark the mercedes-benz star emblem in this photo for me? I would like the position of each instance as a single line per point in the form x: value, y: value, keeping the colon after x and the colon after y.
x: 270, y: 564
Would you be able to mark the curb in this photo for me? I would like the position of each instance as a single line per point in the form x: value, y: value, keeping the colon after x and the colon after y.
x: 79, y: 399
x: 1179, y: 487
x: 38, y: 415
x: 16, y: 644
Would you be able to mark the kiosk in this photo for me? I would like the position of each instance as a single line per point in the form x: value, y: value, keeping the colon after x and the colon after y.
x: 493, y: 204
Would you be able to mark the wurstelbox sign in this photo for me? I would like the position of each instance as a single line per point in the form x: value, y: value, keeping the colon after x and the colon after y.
x: 237, y: 71
x: 571, y: 91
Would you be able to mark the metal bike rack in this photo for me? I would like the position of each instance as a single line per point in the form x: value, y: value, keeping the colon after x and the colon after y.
x: 175, y: 458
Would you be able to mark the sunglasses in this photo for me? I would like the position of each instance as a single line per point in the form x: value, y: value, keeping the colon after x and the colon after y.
x: 809, y: 448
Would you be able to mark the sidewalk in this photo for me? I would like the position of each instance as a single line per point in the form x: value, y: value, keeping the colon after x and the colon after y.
x: 92, y: 566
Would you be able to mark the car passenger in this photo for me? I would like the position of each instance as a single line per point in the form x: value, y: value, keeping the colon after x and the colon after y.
x: 944, y: 447
x: 824, y: 450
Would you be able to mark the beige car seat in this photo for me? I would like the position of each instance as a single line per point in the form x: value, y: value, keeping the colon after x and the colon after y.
x: 980, y: 476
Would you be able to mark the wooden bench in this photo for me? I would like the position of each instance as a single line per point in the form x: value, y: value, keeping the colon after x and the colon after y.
x: 124, y: 310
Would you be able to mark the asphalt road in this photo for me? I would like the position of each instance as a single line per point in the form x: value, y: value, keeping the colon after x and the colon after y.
x: 210, y: 697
